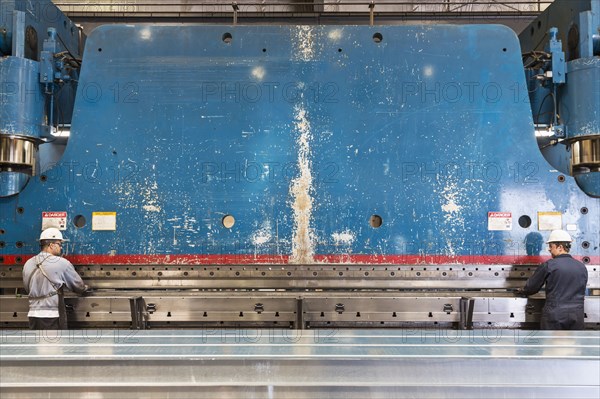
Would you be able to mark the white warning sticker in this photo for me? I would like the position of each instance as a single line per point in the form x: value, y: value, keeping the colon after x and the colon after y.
x: 499, y: 221
x: 104, y: 221
x: 549, y: 221
x: 54, y: 219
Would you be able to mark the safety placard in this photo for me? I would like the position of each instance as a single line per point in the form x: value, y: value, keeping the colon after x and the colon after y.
x: 104, y: 221
x: 54, y: 219
x: 499, y: 221
x: 549, y: 221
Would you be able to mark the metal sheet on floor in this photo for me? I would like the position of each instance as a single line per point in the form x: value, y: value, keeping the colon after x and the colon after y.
x: 300, y: 364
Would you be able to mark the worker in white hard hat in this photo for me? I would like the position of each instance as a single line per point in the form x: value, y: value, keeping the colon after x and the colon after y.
x: 44, y: 277
x: 566, y: 280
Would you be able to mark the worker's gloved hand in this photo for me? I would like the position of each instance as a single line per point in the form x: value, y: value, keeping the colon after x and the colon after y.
x: 520, y: 292
x: 87, y: 290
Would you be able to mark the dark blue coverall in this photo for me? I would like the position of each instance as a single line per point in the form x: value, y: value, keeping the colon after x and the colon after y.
x: 565, y: 280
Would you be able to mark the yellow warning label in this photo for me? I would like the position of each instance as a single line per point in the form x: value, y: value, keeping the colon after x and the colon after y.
x: 549, y: 221
x: 104, y: 221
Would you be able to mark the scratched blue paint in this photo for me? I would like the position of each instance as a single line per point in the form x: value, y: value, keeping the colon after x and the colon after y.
x: 430, y: 129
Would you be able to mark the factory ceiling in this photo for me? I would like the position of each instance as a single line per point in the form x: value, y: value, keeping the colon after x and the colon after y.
x: 514, y: 13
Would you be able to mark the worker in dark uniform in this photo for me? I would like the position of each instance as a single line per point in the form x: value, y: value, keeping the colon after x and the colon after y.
x: 44, y: 277
x: 566, y: 280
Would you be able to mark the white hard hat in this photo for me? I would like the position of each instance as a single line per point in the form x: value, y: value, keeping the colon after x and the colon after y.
x: 51, y: 233
x: 559, y: 236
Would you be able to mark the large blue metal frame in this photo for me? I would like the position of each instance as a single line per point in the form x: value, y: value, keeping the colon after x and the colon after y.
x: 37, y: 86
x: 578, y: 101
x: 302, y: 134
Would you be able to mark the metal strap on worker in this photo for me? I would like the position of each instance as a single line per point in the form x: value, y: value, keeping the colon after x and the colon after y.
x: 44, y: 296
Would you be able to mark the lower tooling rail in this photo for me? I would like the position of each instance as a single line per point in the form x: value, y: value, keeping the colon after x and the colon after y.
x: 456, y: 296
x: 300, y: 310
